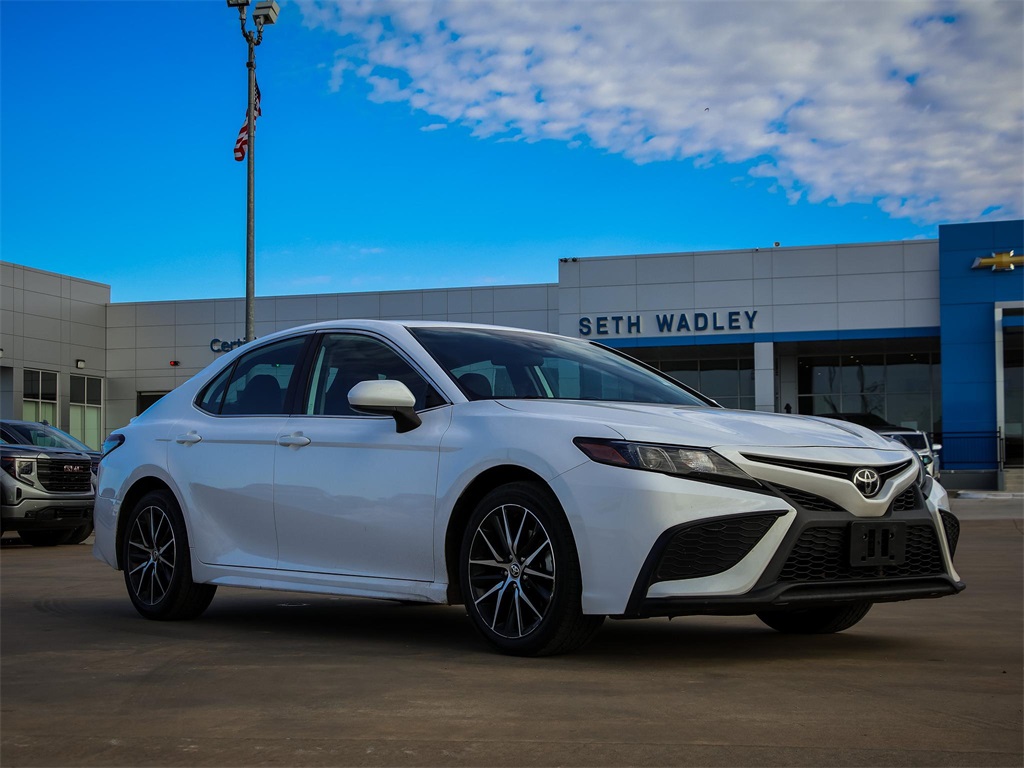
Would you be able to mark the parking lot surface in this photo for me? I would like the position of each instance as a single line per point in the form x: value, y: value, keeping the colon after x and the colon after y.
x: 275, y: 678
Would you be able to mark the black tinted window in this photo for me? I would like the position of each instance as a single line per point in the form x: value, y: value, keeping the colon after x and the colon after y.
x: 344, y: 360
x: 507, y: 364
x: 258, y: 383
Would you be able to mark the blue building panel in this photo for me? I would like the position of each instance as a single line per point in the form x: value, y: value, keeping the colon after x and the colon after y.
x: 967, y: 299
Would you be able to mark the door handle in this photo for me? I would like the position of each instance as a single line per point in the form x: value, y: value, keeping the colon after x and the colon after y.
x: 296, y: 441
x: 190, y: 439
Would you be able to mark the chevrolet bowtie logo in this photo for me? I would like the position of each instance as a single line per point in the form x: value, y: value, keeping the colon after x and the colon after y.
x: 1000, y: 262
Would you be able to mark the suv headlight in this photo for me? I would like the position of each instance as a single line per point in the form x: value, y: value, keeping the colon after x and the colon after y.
x: 683, y: 461
x: 23, y: 470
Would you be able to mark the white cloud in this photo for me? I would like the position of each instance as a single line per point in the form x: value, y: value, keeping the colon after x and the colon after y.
x: 434, y: 127
x: 913, y: 105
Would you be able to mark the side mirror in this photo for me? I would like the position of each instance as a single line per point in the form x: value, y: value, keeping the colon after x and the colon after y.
x: 386, y: 398
x: 936, y: 447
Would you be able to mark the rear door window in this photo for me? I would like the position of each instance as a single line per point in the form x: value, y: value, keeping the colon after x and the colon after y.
x: 259, y: 383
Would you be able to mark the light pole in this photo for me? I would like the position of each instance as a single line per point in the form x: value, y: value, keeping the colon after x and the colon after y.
x: 265, y: 13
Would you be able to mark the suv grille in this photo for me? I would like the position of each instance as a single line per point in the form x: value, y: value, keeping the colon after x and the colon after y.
x: 65, y: 475
x: 823, y: 554
x: 712, y: 547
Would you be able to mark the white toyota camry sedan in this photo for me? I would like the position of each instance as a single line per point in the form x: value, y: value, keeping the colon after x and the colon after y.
x: 541, y: 481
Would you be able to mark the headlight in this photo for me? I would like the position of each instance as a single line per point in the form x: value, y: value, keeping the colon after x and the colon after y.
x: 20, y: 469
x: 924, y: 480
x: 692, y: 463
x: 113, y: 441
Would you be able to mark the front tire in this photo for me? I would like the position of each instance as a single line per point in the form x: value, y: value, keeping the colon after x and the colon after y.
x: 157, y: 564
x: 816, y: 621
x: 520, y: 574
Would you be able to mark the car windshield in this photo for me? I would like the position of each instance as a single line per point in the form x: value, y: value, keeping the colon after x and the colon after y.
x: 506, y: 364
x: 42, y: 435
x: 913, y: 440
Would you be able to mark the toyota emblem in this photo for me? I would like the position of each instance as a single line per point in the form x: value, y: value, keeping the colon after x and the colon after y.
x: 867, y: 481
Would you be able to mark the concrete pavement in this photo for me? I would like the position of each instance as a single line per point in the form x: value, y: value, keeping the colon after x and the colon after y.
x: 288, y: 679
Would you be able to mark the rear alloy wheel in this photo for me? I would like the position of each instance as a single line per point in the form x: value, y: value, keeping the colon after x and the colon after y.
x: 520, y: 574
x: 156, y: 560
x: 816, y: 621
x: 45, y: 538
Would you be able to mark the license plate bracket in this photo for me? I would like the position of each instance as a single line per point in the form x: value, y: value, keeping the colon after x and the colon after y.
x: 874, y: 544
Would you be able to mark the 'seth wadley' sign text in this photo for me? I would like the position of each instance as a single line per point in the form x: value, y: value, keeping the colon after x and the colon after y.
x: 667, y: 322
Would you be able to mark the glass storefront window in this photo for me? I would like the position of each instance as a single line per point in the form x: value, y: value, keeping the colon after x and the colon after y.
x: 819, y: 375
x: 863, y: 373
x: 686, y: 372
x: 40, y: 396
x: 901, y: 388
x: 747, y: 380
x: 908, y: 373
x: 719, y: 379
x: 86, y: 413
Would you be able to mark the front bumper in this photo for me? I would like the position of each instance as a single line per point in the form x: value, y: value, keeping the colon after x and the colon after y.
x: 46, y: 514
x: 696, y: 548
x: 814, y: 565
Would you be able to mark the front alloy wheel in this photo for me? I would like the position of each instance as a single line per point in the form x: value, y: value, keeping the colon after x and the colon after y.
x: 511, y: 571
x: 520, y: 573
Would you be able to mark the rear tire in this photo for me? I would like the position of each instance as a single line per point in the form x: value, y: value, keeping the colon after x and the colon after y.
x: 157, y: 563
x: 520, y: 574
x: 44, y: 538
x: 816, y: 621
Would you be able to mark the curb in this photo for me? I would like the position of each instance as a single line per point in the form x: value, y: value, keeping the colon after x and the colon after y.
x: 986, y: 495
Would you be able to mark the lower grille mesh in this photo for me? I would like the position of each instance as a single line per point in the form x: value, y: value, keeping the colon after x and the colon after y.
x: 952, y: 527
x: 712, y: 547
x: 823, y: 554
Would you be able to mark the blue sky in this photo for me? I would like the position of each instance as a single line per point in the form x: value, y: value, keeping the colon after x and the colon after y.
x: 427, y: 145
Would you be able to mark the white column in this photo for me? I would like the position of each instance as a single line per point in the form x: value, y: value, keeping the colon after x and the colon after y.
x: 764, y: 376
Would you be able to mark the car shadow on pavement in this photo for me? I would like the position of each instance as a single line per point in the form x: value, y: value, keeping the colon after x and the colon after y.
x: 324, y: 626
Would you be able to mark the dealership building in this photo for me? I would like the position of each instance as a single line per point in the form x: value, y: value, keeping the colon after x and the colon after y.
x: 922, y: 333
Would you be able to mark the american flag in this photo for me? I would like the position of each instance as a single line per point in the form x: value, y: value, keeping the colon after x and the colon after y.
x: 242, y: 142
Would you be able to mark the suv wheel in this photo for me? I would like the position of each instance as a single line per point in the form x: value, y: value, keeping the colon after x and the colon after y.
x: 80, y: 534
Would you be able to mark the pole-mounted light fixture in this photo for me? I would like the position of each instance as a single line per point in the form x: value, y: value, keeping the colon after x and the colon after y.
x: 265, y: 13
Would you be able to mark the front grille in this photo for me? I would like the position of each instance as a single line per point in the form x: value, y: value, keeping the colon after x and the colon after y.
x: 809, y: 500
x: 905, y: 501
x: 65, y: 475
x: 832, y: 470
x: 952, y: 527
x: 712, y: 547
x: 823, y: 554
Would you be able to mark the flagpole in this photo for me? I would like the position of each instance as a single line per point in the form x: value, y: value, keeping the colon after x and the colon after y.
x: 266, y: 12
x: 250, y: 221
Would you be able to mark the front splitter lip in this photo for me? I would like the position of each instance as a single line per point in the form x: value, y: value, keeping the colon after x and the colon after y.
x: 782, y: 596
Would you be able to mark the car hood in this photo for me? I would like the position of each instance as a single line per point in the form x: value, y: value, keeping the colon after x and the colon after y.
x: 706, y: 427
x: 22, y: 451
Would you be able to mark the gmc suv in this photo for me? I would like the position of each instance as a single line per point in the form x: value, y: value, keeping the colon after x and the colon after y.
x: 46, y: 484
